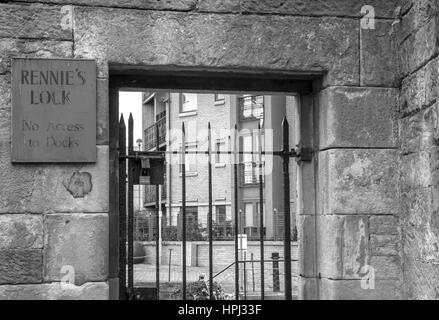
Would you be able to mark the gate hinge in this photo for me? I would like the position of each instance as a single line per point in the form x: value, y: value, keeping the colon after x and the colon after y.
x: 304, y: 154
x: 301, y: 154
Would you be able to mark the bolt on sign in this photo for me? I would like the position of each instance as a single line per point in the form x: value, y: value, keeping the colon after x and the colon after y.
x: 53, y: 110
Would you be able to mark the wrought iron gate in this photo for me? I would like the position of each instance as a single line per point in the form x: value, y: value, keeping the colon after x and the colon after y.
x: 130, y: 167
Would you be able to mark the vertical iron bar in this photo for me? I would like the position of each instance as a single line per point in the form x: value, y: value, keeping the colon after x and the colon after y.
x: 122, y: 211
x: 261, y: 214
x: 210, y: 214
x: 235, y: 167
x: 253, y: 273
x: 130, y: 208
x: 183, y: 199
x: 287, y: 219
x: 245, y: 275
x: 170, y: 265
x: 157, y: 223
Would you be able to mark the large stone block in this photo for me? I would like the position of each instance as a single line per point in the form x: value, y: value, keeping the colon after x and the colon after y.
x: 55, y: 291
x: 378, y: 51
x: 420, y: 89
x: 79, y: 241
x: 419, y: 170
x: 54, y: 188
x: 352, y: 290
x: 421, y: 278
x: 385, y: 267
x: 358, y: 117
x: 298, y: 44
x: 102, y: 130
x: 419, y: 47
x: 343, y: 246
x: 420, y: 131
x: 308, y: 288
x: 415, y: 15
x: 182, y: 5
x: 10, y: 48
x: 384, y: 225
x: 351, y: 8
x: 21, y: 231
x: 33, y: 21
x: 358, y: 182
x: 387, y: 245
x: 307, y: 246
x: 21, y: 266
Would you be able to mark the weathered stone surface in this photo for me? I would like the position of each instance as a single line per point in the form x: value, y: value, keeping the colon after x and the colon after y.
x: 183, y: 5
x: 308, y: 288
x: 227, y: 41
x: 383, y: 225
x: 378, y: 51
x: 419, y: 170
x: 387, y: 245
x: 416, y: 14
x: 33, y: 21
x: 421, y: 279
x: 352, y: 290
x: 21, y: 266
x: 358, y: 182
x: 21, y: 231
x: 419, y: 47
x: 420, y: 89
x: 358, y: 117
x: 343, y: 246
x: 41, y: 188
x: 55, y: 291
x: 350, y: 8
x: 77, y: 240
x: 420, y: 131
x: 307, y: 246
x: 386, y: 267
x: 10, y: 48
x: 102, y: 132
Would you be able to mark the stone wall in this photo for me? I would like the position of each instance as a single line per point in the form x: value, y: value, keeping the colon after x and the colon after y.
x: 419, y: 124
x: 377, y: 157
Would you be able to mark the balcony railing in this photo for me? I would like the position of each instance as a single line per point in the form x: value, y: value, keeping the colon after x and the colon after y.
x: 150, y: 193
x: 249, y: 173
x: 151, y: 135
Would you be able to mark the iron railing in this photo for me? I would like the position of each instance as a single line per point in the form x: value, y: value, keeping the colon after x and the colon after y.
x: 249, y: 173
x: 151, y: 135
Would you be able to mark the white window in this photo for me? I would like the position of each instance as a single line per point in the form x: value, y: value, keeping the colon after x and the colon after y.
x: 189, y: 102
x: 249, y: 215
x: 220, y: 158
x: 190, y: 159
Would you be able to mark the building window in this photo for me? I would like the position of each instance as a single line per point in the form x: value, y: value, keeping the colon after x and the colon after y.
x: 249, y: 215
x: 219, y: 98
x: 220, y: 215
x: 250, y: 165
x: 189, y: 102
x: 220, y: 158
x: 190, y: 159
x: 251, y: 107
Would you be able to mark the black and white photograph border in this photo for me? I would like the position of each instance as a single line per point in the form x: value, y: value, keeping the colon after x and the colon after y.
x: 238, y: 150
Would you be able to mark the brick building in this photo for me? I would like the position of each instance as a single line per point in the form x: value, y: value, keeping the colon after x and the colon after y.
x: 368, y: 93
x: 166, y: 112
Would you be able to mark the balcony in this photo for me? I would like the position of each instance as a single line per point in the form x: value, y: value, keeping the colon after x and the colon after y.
x: 150, y: 133
x: 150, y: 193
x: 249, y: 173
